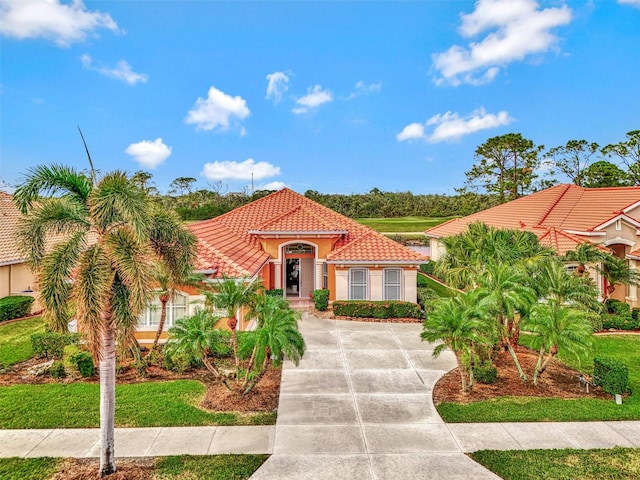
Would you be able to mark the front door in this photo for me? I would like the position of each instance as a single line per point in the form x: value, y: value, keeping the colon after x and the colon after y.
x: 292, y: 277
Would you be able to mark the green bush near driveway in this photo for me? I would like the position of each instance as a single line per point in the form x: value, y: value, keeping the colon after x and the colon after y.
x: 52, y: 344
x: 15, y: 306
x: 376, y: 309
x: 567, y: 464
x: 15, y: 340
x: 146, y: 404
x: 321, y: 299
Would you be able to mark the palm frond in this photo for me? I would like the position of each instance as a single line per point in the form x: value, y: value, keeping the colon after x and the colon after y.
x: 50, y: 181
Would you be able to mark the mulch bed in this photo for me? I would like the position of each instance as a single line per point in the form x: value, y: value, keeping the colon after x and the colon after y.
x: 88, y: 469
x: 263, y: 397
x: 558, y: 381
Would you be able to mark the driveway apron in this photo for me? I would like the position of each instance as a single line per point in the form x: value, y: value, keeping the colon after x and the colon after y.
x: 359, y: 407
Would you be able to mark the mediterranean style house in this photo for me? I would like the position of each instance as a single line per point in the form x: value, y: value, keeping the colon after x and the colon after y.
x: 563, y: 217
x: 15, y: 276
x: 292, y: 243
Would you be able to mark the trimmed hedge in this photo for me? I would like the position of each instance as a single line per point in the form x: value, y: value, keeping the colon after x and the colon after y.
x: 376, y: 309
x: 321, y: 299
x: 51, y: 344
x: 276, y: 292
x: 619, y: 322
x: 15, y: 306
x: 612, y: 375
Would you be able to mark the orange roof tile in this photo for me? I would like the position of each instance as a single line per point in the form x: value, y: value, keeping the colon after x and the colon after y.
x: 226, y: 243
x: 9, y: 220
x: 374, y: 246
x: 565, y: 207
x: 561, y: 242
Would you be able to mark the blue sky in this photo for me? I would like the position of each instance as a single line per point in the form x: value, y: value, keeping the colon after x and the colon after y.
x: 338, y: 97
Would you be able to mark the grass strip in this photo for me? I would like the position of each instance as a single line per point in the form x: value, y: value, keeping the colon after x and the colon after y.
x: 28, y: 468
x: 598, y: 464
x: 216, y: 467
x: 147, y: 404
x: 15, y: 340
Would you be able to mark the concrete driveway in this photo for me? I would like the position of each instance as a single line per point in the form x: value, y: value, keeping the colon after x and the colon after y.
x: 359, y: 407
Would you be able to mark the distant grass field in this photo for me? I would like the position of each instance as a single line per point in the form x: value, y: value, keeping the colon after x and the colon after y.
x: 402, y: 224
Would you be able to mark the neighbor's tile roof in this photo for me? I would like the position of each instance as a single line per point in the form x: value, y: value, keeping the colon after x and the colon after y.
x: 561, y: 242
x: 225, y: 244
x: 9, y: 219
x: 563, y: 207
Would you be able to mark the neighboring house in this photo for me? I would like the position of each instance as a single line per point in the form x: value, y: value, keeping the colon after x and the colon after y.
x: 15, y: 276
x: 295, y: 244
x: 563, y: 217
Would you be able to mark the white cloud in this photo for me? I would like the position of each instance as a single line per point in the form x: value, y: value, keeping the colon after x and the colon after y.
x: 278, y: 84
x: 411, y: 132
x: 450, y: 126
x: 239, y: 170
x: 516, y: 29
x: 633, y: 3
x: 63, y: 23
x: 315, y: 97
x: 217, y: 110
x: 272, y: 186
x: 362, y: 88
x: 122, y: 71
x: 149, y: 153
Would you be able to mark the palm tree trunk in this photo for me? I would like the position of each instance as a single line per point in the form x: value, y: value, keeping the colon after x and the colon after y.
x: 523, y: 376
x: 163, y: 318
x: 552, y: 353
x: 212, y: 368
x: 250, y: 366
x: 536, y: 371
x: 107, y: 398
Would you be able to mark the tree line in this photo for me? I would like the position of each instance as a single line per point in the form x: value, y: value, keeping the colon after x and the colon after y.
x: 506, y: 167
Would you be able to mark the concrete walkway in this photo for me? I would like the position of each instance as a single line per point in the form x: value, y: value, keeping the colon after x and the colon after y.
x: 358, y: 407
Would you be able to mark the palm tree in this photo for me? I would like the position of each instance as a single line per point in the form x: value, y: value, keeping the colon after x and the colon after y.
x: 503, y: 290
x: 460, y: 325
x: 231, y: 295
x: 556, y: 327
x: 583, y: 254
x: 277, y: 336
x: 107, y: 239
x: 196, y: 337
x: 616, y: 271
x: 552, y: 282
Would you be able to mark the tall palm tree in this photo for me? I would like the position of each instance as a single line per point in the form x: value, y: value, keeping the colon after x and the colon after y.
x: 277, y: 336
x: 109, y: 238
x: 616, y: 271
x: 554, y: 327
x: 503, y: 290
x: 459, y: 324
x: 231, y: 295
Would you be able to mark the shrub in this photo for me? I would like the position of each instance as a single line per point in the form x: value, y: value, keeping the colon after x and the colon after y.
x: 422, y: 281
x: 321, y: 299
x: 596, y: 322
x: 57, y: 370
x: 485, y: 373
x: 619, y: 322
x: 15, y: 306
x: 77, y: 360
x: 618, y: 308
x: 178, y: 362
x: 276, y: 292
x: 424, y: 296
x: 635, y: 312
x: 376, y: 309
x: 51, y: 344
x: 428, y: 267
x: 612, y: 375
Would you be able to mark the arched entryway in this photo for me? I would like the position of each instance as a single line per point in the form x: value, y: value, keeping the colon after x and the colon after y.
x: 620, y: 250
x: 298, y: 269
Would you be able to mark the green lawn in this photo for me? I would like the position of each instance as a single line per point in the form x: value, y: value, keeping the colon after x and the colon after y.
x: 615, y: 463
x: 15, y: 340
x: 441, y: 290
x: 403, y: 224
x: 147, y: 404
x: 214, y: 467
x: 625, y: 348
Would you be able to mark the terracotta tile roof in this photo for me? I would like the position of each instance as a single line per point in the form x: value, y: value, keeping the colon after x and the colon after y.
x: 9, y: 219
x: 226, y: 244
x: 373, y: 246
x: 561, y: 242
x: 564, y: 207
